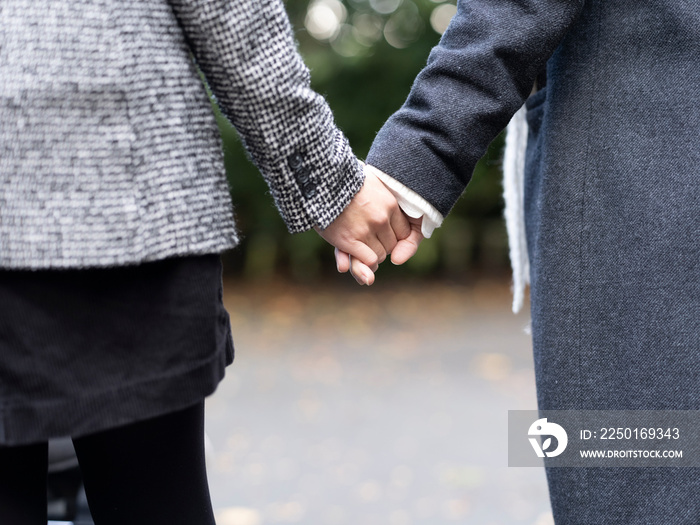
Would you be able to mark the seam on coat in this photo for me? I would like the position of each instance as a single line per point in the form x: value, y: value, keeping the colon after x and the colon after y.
x: 582, y: 233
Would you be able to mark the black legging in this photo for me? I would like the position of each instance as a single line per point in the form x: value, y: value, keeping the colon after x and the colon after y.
x: 145, y: 473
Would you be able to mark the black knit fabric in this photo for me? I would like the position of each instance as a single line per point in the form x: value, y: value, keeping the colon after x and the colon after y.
x: 87, y: 350
x: 149, y: 472
x: 23, y: 484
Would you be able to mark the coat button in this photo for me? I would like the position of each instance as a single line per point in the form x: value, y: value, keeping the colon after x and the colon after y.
x: 303, y: 176
x: 295, y: 161
x: 309, y: 190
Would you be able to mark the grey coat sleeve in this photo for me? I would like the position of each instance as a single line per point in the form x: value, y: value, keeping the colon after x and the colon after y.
x: 247, y: 52
x: 475, y: 80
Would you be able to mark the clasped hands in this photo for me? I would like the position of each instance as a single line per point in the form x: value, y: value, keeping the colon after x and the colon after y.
x: 371, y: 228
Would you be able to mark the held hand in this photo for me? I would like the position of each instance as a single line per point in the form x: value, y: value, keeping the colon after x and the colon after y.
x: 369, y: 228
x: 403, y: 251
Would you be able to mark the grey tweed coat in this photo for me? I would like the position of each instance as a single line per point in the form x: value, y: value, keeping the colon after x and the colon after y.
x: 109, y: 152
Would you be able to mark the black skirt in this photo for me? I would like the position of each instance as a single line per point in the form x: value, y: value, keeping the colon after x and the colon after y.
x: 90, y: 349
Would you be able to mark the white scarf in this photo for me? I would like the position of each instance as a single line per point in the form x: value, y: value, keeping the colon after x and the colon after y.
x: 513, y: 193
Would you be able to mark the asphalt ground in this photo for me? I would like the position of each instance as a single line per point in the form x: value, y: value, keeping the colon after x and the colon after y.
x: 383, y: 405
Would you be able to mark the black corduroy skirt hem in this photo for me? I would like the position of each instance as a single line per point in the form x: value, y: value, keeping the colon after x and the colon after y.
x: 83, y: 351
x: 111, y: 408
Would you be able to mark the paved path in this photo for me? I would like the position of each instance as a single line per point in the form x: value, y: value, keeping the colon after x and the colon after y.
x: 383, y: 406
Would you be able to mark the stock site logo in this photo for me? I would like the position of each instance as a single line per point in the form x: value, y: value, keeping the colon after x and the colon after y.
x: 543, y: 428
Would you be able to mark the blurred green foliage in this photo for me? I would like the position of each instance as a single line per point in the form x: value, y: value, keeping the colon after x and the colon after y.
x: 365, y: 74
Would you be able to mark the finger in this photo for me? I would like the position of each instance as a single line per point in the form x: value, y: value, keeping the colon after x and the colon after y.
x: 342, y: 261
x: 371, y: 254
x: 407, y: 248
x: 357, y: 273
x: 400, y: 224
x: 361, y: 272
x: 379, y: 249
x: 387, y: 238
x: 394, y: 227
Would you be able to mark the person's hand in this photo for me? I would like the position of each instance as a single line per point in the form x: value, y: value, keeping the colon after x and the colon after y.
x: 368, y: 229
x: 403, y: 251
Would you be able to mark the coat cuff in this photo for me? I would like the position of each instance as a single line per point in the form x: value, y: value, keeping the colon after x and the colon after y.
x: 314, y: 189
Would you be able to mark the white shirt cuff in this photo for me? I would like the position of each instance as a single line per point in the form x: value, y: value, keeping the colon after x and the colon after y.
x: 410, y: 202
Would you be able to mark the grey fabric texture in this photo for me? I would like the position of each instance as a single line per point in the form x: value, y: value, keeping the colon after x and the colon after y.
x: 109, y: 150
x: 612, y: 208
x: 475, y: 80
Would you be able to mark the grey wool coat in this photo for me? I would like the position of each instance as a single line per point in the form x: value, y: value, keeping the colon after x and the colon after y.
x: 109, y: 151
x: 612, y: 207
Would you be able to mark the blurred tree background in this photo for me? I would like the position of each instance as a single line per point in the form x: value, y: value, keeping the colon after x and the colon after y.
x: 363, y: 56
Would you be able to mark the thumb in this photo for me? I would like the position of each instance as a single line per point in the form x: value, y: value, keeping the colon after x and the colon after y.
x: 407, y: 248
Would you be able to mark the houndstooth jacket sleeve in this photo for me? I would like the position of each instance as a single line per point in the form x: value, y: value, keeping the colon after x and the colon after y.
x: 109, y: 150
x: 248, y: 55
